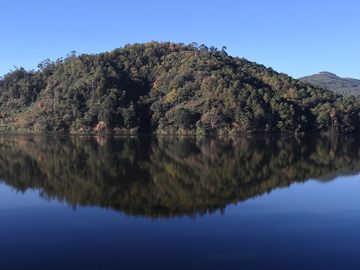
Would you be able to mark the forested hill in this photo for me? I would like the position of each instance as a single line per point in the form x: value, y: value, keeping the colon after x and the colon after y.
x: 328, y: 80
x: 167, y: 87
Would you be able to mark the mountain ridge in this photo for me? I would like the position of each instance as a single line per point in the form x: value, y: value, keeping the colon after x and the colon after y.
x: 332, y: 82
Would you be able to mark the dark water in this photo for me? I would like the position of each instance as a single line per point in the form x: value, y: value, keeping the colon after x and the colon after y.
x: 86, y: 202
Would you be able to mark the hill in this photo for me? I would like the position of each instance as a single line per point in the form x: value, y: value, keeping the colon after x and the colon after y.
x: 343, y: 86
x: 167, y: 88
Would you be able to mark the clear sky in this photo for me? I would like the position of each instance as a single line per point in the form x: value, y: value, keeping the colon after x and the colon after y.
x: 298, y: 38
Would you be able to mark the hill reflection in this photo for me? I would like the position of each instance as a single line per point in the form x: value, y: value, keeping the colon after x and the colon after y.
x: 169, y: 176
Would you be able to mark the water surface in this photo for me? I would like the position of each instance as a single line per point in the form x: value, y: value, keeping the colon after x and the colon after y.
x: 96, y: 202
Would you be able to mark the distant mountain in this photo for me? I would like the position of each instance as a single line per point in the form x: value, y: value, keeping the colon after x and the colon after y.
x: 328, y: 80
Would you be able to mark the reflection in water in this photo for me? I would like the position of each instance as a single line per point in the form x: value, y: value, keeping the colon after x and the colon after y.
x: 169, y: 176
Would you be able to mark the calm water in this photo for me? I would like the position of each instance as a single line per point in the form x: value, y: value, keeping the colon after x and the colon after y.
x: 88, y: 202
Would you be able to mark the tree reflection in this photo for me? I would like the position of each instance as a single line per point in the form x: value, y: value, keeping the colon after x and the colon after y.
x: 169, y: 176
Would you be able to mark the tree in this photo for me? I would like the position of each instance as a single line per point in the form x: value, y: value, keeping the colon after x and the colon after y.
x: 129, y: 116
x: 44, y: 64
x: 211, y: 118
x: 182, y: 118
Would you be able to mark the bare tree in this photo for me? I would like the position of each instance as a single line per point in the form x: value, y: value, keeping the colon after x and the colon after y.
x: 211, y: 118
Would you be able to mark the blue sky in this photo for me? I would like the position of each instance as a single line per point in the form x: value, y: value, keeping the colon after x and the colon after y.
x: 298, y: 38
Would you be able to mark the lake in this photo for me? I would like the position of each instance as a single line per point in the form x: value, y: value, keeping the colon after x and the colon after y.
x: 172, y: 202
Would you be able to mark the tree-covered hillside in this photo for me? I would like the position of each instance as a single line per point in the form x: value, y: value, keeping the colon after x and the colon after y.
x: 328, y: 80
x: 167, y: 87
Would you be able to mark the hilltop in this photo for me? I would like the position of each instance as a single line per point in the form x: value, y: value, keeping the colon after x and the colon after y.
x: 328, y: 80
x: 167, y: 88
